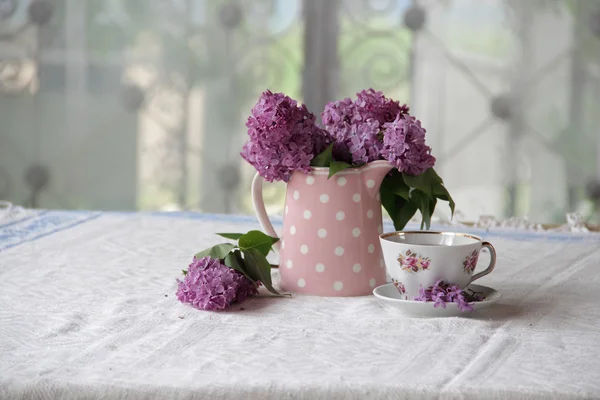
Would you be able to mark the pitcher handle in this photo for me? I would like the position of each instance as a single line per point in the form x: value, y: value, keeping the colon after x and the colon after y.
x: 260, y: 211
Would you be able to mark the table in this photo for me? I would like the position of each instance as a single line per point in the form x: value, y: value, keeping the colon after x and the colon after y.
x: 88, y: 311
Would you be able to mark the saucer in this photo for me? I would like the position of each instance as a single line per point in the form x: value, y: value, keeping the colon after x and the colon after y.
x: 388, y: 294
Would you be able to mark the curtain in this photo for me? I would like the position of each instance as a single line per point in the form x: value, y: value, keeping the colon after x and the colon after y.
x: 141, y: 104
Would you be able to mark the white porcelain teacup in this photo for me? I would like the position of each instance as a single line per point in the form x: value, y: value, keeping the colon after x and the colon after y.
x: 421, y: 258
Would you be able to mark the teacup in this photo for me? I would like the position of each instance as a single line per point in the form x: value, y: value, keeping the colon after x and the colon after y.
x: 421, y: 258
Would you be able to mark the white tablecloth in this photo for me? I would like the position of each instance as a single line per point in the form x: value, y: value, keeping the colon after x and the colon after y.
x: 88, y: 311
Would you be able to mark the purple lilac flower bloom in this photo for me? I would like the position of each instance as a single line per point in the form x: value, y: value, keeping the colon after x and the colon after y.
x: 374, y: 105
x: 357, y: 126
x: 441, y: 293
x: 211, y: 285
x: 364, y: 144
x: 337, y: 118
x: 404, y: 145
x: 283, y: 137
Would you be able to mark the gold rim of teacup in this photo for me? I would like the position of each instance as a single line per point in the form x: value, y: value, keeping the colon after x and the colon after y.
x: 400, y: 233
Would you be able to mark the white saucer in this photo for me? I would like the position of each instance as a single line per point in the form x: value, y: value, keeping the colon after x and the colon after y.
x: 388, y: 294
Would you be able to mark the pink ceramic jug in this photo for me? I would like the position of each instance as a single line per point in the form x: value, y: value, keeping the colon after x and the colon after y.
x: 330, y: 240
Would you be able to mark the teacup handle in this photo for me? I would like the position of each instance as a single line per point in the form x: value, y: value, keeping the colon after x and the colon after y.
x: 260, y: 210
x: 490, y: 268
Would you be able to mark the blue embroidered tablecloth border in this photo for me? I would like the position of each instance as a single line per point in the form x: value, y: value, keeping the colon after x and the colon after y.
x: 45, y: 223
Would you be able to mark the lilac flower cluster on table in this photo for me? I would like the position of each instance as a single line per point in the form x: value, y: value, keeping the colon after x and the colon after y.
x: 284, y: 136
x: 211, y: 285
x: 441, y: 293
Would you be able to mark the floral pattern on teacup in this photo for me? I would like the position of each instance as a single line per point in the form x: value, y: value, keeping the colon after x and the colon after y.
x: 413, y: 262
x: 471, y: 262
x: 400, y: 286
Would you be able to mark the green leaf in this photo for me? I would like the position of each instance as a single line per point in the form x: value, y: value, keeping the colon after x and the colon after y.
x: 324, y: 158
x: 404, y: 213
x: 235, y: 261
x: 421, y: 200
x: 258, y: 268
x: 337, y: 166
x: 395, y: 198
x: 219, y: 251
x: 232, y: 236
x: 433, y: 176
x: 399, y: 209
x: 432, y: 204
x: 257, y: 240
x: 388, y: 201
x: 184, y: 272
x: 402, y: 195
x: 423, y: 182
x: 394, y: 183
x: 430, y: 187
x: 440, y: 191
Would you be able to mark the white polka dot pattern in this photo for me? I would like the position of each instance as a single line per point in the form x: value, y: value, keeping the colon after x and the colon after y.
x: 330, y: 231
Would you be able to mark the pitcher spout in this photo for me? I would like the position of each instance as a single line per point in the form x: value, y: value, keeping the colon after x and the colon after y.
x: 374, y: 172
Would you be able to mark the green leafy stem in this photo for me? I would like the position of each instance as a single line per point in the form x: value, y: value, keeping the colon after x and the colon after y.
x: 401, y: 194
x: 248, y: 256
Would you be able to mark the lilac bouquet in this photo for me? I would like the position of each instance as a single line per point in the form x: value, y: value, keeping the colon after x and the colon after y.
x: 285, y: 138
x: 441, y: 293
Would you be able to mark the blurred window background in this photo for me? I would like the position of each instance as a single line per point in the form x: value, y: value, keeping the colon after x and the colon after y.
x: 141, y: 104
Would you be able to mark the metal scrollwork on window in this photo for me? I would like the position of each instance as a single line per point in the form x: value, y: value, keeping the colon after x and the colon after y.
x: 40, y: 11
x: 230, y: 15
x: 414, y: 18
x: 374, y: 47
x: 16, y: 74
x: 7, y: 9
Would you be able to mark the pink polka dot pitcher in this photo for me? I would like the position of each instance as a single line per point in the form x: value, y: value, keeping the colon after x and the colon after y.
x: 330, y: 240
